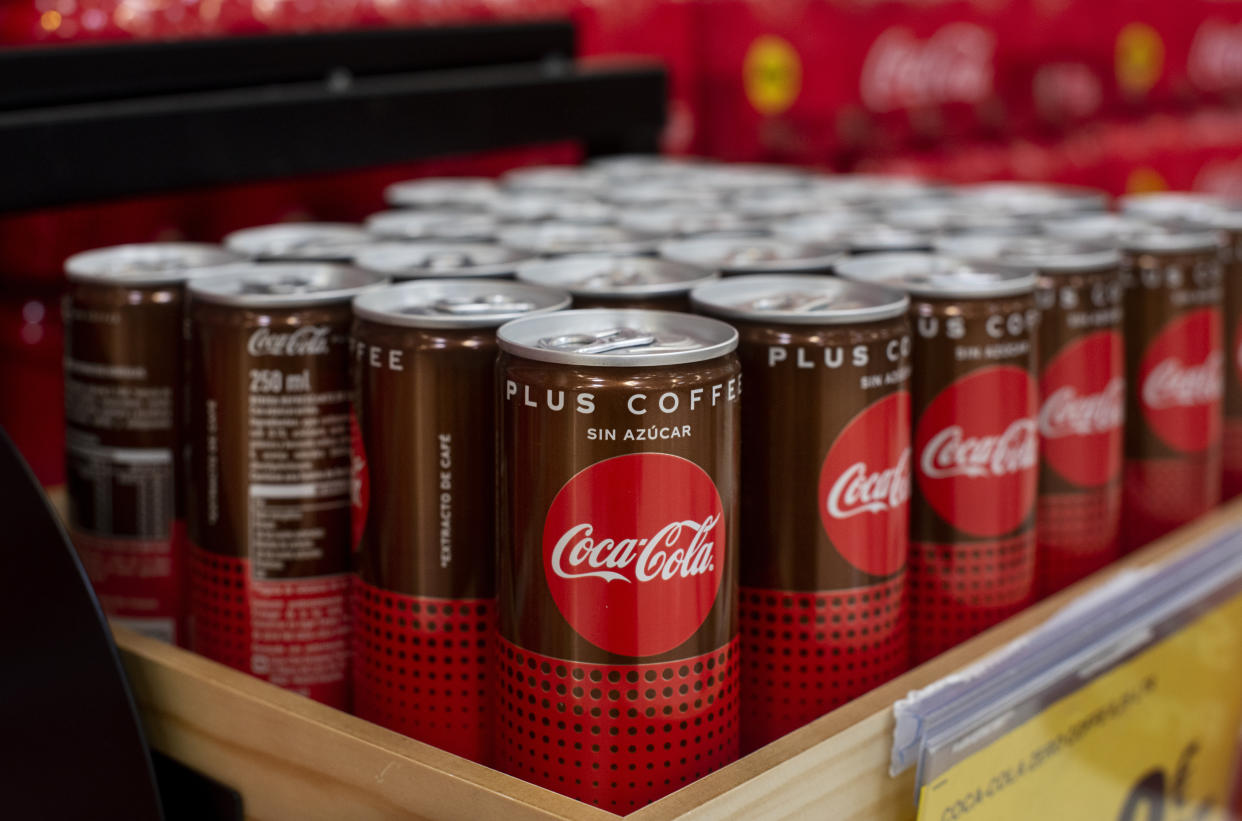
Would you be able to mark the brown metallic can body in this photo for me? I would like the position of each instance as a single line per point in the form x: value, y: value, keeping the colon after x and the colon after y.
x: 425, y: 499
x: 618, y: 643
x: 269, y: 515
x: 822, y: 604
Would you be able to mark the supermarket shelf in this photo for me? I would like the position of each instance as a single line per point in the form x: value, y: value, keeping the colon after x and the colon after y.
x: 144, y: 138
x: 329, y: 764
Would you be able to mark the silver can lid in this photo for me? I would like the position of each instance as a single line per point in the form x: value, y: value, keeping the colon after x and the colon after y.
x: 1196, y: 206
x: 456, y: 303
x: 283, y: 284
x: 309, y: 241
x: 949, y: 216
x: 607, y: 338
x: 824, y: 228
x: 1034, y: 198
x: 687, y: 222
x: 632, y: 166
x: 623, y: 277
x: 738, y: 177
x: 552, y: 239
x: 779, y: 203
x: 799, y: 300
x: 414, y: 260
x: 1138, y: 235
x: 464, y: 193
x: 665, y: 193
x: 874, y: 189
x: 935, y: 276
x: 751, y: 255
x: 433, y: 225
x: 564, y: 179
x: 530, y: 206
x: 152, y: 263
x: 1044, y: 254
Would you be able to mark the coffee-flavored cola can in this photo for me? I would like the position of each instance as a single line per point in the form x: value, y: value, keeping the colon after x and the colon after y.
x: 424, y: 480
x: 1082, y: 386
x: 825, y: 491
x: 441, y: 260
x: 300, y: 242
x: 731, y: 256
x: 617, y: 552
x: 975, y: 441
x: 1225, y: 215
x: 1175, y: 369
x: 269, y: 502
x: 602, y: 281
x: 124, y: 424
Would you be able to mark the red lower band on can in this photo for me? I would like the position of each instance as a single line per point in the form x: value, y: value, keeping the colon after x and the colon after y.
x: 422, y: 667
x: 1079, y: 533
x: 1231, y: 451
x: 804, y: 654
x: 1161, y: 495
x: 617, y: 736
x: 291, y: 632
x: 959, y: 590
x: 138, y: 581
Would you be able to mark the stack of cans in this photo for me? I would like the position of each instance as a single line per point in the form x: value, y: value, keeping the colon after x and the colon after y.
x: 568, y: 543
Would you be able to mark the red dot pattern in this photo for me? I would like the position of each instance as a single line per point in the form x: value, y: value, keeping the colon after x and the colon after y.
x: 219, y: 608
x: 804, y: 654
x: 617, y: 736
x: 959, y: 590
x: 422, y: 667
x: 1079, y: 533
x: 1161, y: 495
x: 1231, y: 450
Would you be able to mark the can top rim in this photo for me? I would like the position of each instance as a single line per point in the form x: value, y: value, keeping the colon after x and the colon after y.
x: 412, y: 224
x: 559, y: 238
x: 720, y: 254
x: 937, y: 276
x: 150, y: 263
x: 608, y: 338
x: 473, y: 192
x: 1139, y: 235
x: 456, y: 303
x: 287, y: 284
x: 1195, y: 206
x: 615, y: 275
x: 414, y: 260
x: 300, y: 241
x: 1045, y: 254
x: 799, y: 299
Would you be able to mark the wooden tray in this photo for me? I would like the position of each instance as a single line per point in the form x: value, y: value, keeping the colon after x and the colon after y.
x: 292, y: 758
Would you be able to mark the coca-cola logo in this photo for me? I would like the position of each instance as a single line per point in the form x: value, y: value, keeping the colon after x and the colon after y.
x: 1181, y: 380
x: 978, y: 451
x: 1215, y: 59
x: 954, y: 65
x: 1083, y: 413
x: 864, y: 487
x: 634, y: 552
x: 309, y: 340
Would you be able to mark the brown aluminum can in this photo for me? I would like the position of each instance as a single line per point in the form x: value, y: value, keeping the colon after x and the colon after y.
x: 425, y: 367
x: 825, y: 492
x: 124, y: 418
x: 269, y: 514
x: 617, y: 552
x: 602, y: 281
x: 731, y: 256
x: 1082, y: 386
x: 1225, y: 215
x: 975, y: 441
x: 1174, y: 369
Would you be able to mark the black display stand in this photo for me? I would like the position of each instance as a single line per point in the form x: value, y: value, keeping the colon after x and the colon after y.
x: 83, y: 123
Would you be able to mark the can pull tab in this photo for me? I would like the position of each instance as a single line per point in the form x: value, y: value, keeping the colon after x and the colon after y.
x: 613, y: 339
x: 794, y: 301
x: 285, y: 286
x: 482, y: 305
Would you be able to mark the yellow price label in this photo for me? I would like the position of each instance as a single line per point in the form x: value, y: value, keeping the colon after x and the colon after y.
x: 1153, y: 739
x: 1139, y: 58
x: 771, y: 74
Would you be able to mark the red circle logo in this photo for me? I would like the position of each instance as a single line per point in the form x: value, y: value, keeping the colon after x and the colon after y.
x: 1181, y: 380
x: 977, y: 451
x: 864, y: 487
x: 1083, y: 412
x: 634, y: 551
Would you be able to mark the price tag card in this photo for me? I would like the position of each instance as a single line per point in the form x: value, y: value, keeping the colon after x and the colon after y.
x: 1148, y: 734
